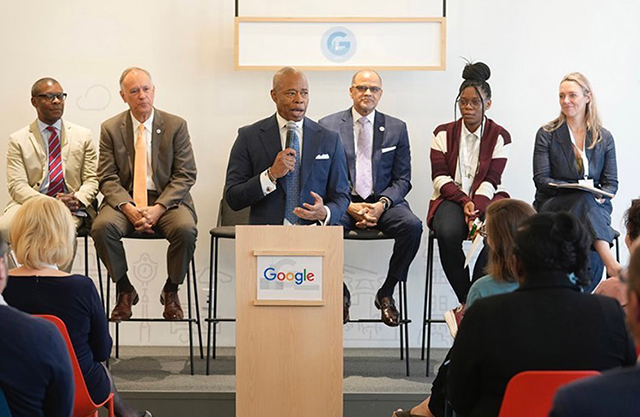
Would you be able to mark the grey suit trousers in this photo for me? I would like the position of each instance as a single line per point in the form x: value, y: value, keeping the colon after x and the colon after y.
x: 178, y: 225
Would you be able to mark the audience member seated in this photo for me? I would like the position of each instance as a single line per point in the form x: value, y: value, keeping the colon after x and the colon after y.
x: 502, y: 221
x: 53, y: 157
x: 42, y: 233
x: 468, y: 157
x: 548, y: 323
x: 615, y: 393
x: 35, y: 372
x: 574, y: 148
x: 614, y: 287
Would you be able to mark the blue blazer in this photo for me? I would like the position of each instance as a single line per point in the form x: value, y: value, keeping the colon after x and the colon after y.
x: 554, y: 161
x: 615, y: 393
x: 35, y: 369
x: 391, y: 163
x: 323, y: 170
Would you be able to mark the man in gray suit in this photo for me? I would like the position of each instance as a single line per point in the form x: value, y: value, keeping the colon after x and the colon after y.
x: 146, y: 170
x: 379, y: 160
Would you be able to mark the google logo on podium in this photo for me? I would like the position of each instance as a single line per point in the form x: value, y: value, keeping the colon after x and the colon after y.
x: 289, y: 277
x: 298, y: 278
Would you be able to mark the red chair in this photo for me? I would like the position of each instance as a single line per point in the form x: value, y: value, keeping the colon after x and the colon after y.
x: 530, y: 393
x: 83, y: 404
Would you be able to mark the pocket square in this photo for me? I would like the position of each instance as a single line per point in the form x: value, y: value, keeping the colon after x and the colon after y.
x: 389, y: 149
x: 322, y: 156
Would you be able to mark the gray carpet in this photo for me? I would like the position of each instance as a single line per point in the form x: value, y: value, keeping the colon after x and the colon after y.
x: 150, y: 369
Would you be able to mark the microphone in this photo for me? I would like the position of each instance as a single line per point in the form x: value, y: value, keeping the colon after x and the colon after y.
x: 288, y: 141
x: 290, y: 132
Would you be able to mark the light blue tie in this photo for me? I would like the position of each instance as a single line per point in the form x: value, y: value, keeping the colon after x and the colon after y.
x: 292, y: 188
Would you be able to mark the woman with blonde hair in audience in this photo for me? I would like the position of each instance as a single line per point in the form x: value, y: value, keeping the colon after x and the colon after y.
x: 42, y: 236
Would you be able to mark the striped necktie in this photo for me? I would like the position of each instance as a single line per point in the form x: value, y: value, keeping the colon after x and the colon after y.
x: 56, y: 176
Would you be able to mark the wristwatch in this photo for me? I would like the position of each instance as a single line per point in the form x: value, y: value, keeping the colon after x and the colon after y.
x: 386, y: 203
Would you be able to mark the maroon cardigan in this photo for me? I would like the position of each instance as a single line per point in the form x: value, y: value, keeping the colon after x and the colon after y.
x: 489, y: 169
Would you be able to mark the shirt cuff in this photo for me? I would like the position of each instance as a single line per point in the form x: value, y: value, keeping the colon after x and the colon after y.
x: 267, y: 185
x: 327, y: 220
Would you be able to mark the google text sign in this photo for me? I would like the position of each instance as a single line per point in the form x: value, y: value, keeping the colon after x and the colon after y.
x: 290, y: 278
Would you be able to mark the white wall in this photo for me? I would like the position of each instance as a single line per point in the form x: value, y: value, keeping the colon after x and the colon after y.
x: 188, y: 47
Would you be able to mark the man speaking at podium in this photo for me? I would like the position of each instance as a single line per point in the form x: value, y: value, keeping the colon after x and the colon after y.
x: 287, y: 168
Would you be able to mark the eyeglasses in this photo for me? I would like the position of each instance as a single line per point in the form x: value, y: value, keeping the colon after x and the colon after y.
x: 475, y: 103
x: 53, y: 96
x: 363, y: 88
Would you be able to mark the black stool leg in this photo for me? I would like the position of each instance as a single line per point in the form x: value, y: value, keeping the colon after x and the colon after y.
x: 86, y: 255
x: 195, y: 292
x: 401, y: 318
x: 429, y: 285
x: 215, y: 300
x: 105, y: 302
x: 190, y: 319
x: 209, y: 306
x: 405, y: 318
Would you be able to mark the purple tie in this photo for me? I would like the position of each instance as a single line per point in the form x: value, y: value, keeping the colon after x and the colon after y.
x: 56, y: 177
x: 364, y: 179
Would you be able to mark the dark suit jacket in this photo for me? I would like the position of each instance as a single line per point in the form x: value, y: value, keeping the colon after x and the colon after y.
x: 546, y: 324
x: 172, y: 160
x: 554, y: 161
x: 35, y: 370
x: 615, y: 393
x: 391, y: 161
x: 323, y: 170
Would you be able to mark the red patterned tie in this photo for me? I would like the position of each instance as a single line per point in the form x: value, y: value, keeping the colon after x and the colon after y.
x: 56, y: 177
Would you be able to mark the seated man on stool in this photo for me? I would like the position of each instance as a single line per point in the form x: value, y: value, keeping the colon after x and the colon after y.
x: 52, y: 157
x: 287, y: 168
x: 379, y: 159
x: 146, y: 170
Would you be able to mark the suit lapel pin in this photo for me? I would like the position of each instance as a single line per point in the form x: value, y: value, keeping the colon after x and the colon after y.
x: 158, y: 131
x: 381, y: 128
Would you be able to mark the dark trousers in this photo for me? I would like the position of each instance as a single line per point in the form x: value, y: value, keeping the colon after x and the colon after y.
x: 178, y: 225
x: 405, y: 227
x: 451, y: 230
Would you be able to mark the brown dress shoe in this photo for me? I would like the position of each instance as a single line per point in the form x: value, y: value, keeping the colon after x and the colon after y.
x: 171, y: 303
x: 122, y: 310
x: 388, y: 310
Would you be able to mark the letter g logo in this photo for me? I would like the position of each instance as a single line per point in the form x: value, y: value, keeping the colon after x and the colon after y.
x: 338, y: 44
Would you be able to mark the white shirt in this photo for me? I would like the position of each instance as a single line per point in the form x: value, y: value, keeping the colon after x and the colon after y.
x: 46, y: 135
x: 582, y: 153
x: 468, y: 157
x: 148, y: 129
x: 267, y: 185
x: 2, y: 302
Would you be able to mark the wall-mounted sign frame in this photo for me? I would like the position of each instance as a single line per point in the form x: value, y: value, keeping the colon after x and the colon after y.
x: 395, y: 43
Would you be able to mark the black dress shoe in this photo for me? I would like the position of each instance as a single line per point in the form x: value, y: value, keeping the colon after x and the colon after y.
x: 388, y: 310
x: 346, y: 303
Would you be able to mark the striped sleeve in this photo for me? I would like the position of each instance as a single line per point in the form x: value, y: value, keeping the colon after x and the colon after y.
x: 443, y: 183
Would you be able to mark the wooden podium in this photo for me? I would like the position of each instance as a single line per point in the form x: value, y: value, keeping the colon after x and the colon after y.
x: 289, y: 358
